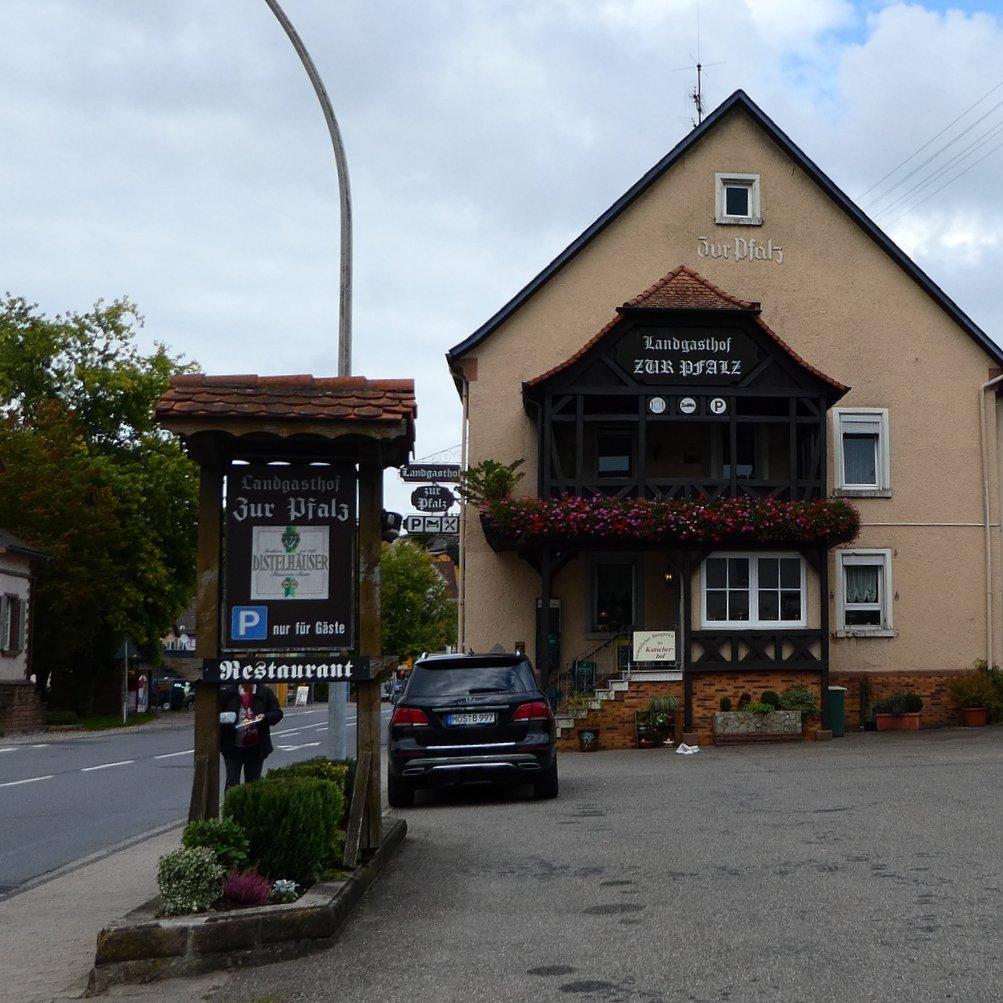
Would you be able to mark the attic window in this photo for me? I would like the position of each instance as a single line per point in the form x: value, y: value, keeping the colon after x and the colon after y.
x: 737, y: 199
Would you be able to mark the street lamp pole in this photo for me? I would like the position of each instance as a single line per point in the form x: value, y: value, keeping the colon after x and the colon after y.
x: 337, y: 696
x: 345, y: 302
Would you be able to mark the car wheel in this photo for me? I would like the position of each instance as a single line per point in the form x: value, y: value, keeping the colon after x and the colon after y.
x: 546, y: 786
x: 400, y: 793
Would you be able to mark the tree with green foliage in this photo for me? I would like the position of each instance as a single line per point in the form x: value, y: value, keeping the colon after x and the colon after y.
x: 414, y: 603
x: 92, y: 481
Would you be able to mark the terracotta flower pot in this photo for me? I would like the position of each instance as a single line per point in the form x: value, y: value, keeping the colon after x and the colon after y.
x: 975, y: 717
x: 897, y: 722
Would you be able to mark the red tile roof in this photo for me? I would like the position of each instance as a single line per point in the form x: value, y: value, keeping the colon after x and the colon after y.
x: 303, y: 398
x: 685, y: 289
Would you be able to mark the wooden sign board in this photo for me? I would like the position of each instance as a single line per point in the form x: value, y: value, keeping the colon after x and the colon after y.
x: 289, y: 558
x: 680, y: 355
x: 654, y: 645
x: 277, y: 669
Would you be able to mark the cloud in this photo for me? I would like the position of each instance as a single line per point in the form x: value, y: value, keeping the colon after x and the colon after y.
x: 175, y: 152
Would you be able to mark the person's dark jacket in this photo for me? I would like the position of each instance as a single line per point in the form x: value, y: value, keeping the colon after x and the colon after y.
x: 263, y: 702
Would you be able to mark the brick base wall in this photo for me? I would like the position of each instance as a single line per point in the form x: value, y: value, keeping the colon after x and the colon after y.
x: 709, y: 688
x: 615, y: 718
x: 20, y: 708
x: 940, y: 709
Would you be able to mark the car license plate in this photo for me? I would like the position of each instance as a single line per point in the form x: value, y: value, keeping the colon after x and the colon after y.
x: 478, y: 718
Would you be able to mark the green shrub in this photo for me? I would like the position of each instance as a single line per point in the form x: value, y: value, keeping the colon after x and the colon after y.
x: 758, y: 707
x: 899, y: 704
x: 291, y: 823
x: 489, y: 481
x: 318, y: 768
x: 726, y: 704
x: 61, y: 717
x: 799, y: 698
x: 976, y: 689
x: 225, y: 838
x: 189, y: 880
x: 662, y: 712
x: 772, y: 698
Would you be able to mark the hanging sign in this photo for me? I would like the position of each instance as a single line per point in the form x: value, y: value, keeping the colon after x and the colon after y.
x: 289, y: 558
x: 432, y: 524
x: 432, y: 498
x: 280, y: 669
x: 687, y: 354
x: 449, y: 472
x: 654, y: 645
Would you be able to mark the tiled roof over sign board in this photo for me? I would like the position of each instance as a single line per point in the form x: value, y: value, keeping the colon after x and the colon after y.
x: 291, y: 398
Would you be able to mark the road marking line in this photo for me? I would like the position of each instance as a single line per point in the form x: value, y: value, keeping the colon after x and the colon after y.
x: 168, y: 755
x: 41, y: 745
x: 13, y: 748
x: 105, y: 766
x: 30, y: 780
x: 293, y: 748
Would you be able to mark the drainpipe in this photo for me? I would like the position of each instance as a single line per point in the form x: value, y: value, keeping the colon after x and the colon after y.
x: 983, y: 444
x: 461, y: 617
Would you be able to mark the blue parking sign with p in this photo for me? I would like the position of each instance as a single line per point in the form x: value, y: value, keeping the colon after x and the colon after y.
x: 248, y: 623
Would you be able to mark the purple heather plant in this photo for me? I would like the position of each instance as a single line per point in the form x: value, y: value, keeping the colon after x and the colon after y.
x: 824, y: 522
x: 246, y: 888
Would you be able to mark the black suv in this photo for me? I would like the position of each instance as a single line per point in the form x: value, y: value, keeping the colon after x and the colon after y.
x: 466, y: 718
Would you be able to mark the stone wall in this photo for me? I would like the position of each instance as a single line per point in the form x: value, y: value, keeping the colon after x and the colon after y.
x: 20, y: 708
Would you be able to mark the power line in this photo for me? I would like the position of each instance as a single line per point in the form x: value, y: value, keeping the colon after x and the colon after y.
x: 933, y: 156
x: 999, y: 146
x: 955, y: 161
x: 928, y: 142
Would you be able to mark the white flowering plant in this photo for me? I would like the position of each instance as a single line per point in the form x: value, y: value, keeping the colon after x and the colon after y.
x: 190, y: 880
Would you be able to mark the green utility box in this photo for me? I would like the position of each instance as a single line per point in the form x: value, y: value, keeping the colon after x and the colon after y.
x: 835, y: 710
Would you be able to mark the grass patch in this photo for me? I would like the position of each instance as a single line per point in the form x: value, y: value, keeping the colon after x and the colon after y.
x: 98, y: 722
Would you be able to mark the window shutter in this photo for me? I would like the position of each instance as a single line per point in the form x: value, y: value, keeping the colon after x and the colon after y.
x: 22, y: 625
x: 16, y: 616
x: 5, y: 623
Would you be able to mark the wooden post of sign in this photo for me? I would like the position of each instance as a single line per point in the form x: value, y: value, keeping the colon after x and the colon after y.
x: 365, y: 824
x: 205, y: 783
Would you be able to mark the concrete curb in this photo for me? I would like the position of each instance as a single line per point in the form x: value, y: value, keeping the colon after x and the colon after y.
x: 142, y: 948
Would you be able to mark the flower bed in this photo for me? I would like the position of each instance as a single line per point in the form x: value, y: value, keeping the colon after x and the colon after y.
x: 569, y: 519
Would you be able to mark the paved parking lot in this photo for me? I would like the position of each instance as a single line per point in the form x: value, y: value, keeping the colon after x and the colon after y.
x: 867, y: 868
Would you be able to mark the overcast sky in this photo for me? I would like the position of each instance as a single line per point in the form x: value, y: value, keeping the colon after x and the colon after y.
x: 172, y: 151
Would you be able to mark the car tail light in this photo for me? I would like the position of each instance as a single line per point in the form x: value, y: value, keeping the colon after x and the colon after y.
x: 410, y: 716
x: 535, y: 711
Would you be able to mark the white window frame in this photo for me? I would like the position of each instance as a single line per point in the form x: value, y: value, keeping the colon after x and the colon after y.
x: 865, y: 555
x: 843, y: 420
x: 753, y: 623
x: 750, y: 181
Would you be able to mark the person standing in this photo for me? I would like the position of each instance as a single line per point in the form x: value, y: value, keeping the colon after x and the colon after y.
x: 247, y: 713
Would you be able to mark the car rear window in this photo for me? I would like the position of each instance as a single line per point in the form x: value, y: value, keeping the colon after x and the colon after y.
x: 428, y: 682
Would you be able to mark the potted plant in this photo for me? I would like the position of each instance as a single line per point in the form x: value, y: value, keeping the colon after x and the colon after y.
x: 975, y: 695
x: 662, y: 717
x: 899, y: 712
x: 645, y: 734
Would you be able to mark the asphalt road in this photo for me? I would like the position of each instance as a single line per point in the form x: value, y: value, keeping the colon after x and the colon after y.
x: 67, y: 796
x: 868, y: 868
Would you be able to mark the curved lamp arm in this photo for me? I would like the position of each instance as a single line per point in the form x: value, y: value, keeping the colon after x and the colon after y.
x: 345, y: 302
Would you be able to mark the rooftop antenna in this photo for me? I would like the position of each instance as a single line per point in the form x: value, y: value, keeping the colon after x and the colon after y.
x: 696, y: 95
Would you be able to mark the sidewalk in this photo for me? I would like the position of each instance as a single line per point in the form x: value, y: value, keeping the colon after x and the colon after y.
x: 49, y: 931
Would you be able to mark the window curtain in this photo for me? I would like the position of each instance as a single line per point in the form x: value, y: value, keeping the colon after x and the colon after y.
x: 860, y: 458
x: 861, y: 584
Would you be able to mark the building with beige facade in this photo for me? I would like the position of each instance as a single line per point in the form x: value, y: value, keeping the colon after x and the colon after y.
x: 734, y: 331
